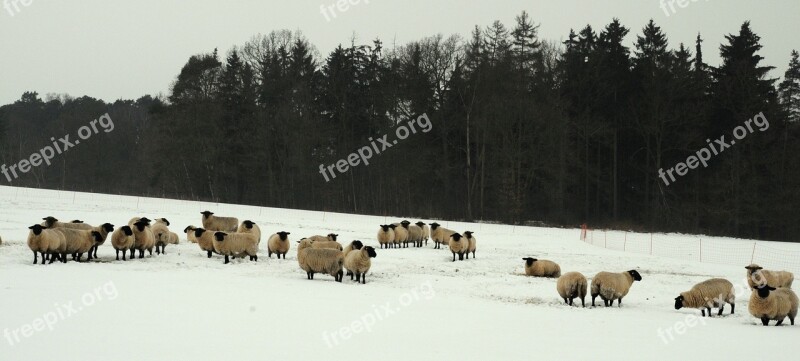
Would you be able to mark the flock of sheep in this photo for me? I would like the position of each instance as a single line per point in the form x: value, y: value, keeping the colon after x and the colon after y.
x: 771, y: 298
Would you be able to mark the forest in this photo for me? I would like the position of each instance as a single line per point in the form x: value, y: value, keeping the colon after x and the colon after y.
x: 524, y: 130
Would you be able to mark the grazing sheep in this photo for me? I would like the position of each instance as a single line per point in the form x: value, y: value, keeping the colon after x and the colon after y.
x: 400, y: 234
x: 385, y: 235
x: 572, y: 285
x: 45, y: 241
x: 358, y: 263
x: 757, y: 276
x: 426, y: 231
x: 314, y: 260
x: 613, y: 286
x: 472, y: 243
x: 222, y: 224
x: 236, y: 245
x: 123, y: 240
x: 707, y: 294
x: 279, y: 244
x: 205, y: 240
x: 161, y: 233
x: 143, y: 238
x: 250, y: 227
x: 79, y: 241
x: 52, y: 222
x: 770, y: 303
x: 189, y: 230
x: 440, y: 235
x: 458, y: 245
x: 414, y: 234
x: 541, y: 268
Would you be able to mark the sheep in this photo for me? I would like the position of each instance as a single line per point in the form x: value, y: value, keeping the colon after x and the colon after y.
x: 122, y: 240
x: 707, y: 294
x: 161, y: 233
x: 571, y: 285
x: 770, y: 303
x: 137, y: 219
x: 354, y: 245
x: 358, y: 263
x: 205, y: 240
x: 45, y: 241
x: 458, y: 244
x: 426, y: 231
x: 189, y: 230
x: 757, y: 276
x: 104, y: 230
x: 52, y: 222
x: 236, y: 245
x: 314, y: 260
x: 472, y: 243
x: 613, y: 286
x: 541, y: 268
x: 385, y: 235
x: 79, y: 241
x: 414, y: 234
x: 222, y: 224
x: 144, y: 239
x: 328, y: 241
x: 440, y: 235
x: 173, y: 238
x: 279, y: 244
x: 393, y: 242
x: 400, y: 234
x: 250, y: 227
x: 331, y: 237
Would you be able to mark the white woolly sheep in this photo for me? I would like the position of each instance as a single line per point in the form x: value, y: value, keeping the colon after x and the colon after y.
x: 143, y: 238
x: 757, y: 276
x: 45, y: 241
x: 279, y: 244
x: 707, y: 294
x: 440, y: 235
x: 385, y: 235
x: 541, y: 268
x: 320, y: 260
x: 426, y: 231
x: 458, y: 245
x: 189, y: 230
x: 572, y: 285
x: 205, y: 240
x: 250, y: 227
x: 221, y: 224
x: 123, y: 240
x: 769, y: 303
x: 358, y: 263
x: 162, y: 234
x: 613, y: 286
x: 354, y: 245
x: 79, y: 241
x: 236, y: 245
x: 472, y: 243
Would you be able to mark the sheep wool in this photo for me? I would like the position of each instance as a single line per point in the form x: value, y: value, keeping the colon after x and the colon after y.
x: 354, y: 245
x: 250, y: 227
x: 458, y: 245
x: 122, y: 240
x: 472, y: 243
x: 324, y: 260
x: 279, y: 244
x: 358, y: 263
x: 541, y: 268
x: 45, y: 242
x: 385, y: 235
x: 415, y: 235
x: 236, y: 245
x: 613, y: 286
x: 757, y: 276
x: 220, y: 224
x: 769, y: 303
x: 79, y: 241
x: 104, y: 230
x: 572, y: 285
x: 707, y: 294
x: 52, y: 222
x: 161, y: 232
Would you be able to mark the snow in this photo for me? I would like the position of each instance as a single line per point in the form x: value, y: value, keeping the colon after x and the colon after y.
x: 416, y: 303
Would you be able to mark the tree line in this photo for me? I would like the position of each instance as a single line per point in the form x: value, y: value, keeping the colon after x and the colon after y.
x: 524, y: 129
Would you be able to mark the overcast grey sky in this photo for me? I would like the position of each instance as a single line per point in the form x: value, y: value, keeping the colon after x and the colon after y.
x: 112, y: 49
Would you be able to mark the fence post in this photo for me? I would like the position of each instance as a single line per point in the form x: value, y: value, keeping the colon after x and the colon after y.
x: 625, y: 242
x: 753, y: 255
x: 701, y: 250
x: 605, y: 239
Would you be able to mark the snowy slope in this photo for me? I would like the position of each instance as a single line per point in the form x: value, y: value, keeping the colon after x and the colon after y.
x: 416, y: 303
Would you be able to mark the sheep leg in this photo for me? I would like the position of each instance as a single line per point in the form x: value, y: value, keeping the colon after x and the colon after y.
x: 209, y: 254
x: 226, y: 259
x: 53, y: 258
x: 721, y: 308
x: 780, y: 322
x: 583, y: 304
x: 732, y: 307
x: 593, y: 298
x: 454, y: 256
x: 703, y: 312
x: 765, y: 321
x: 118, y: 255
x: 619, y: 302
x: 269, y: 254
x: 340, y: 274
x: 35, y: 257
x: 791, y: 319
x: 63, y: 258
x: 95, y: 251
x: 364, y: 281
x: 467, y: 255
x: 141, y: 253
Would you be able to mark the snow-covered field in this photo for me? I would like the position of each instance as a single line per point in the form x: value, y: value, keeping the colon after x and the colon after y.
x: 416, y: 304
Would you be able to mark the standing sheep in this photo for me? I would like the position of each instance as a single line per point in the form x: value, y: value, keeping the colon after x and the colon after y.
x: 440, y: 235
x: 541, y: 268
x: 458, y: 245
x: 572, y: 285
x: 472, y: 243
x: 236, y: 245
x: 222, y: 224
x: 104, y: 230
x: 757, y: 276
x: 189, y: 230
x: 707, y: 294
x: 613, y: 286
x: 414, y: 234
x: 161, y: 233
x: 358, y: 263
x: 45, y: 241
x: 143, y: 238
x: 354, y: 245
x: 79, y: 241
x: 385, y: 235
x: 426, y: 231
x: 205, y: 240
x: 279, y: 244
x: 123, y: 240
x: 323, y: 260
x: 770, y: 303
x: 400, y: 235
x: 250, y: 227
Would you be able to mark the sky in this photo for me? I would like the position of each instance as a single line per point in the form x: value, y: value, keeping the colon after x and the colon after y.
x: 112, y: 49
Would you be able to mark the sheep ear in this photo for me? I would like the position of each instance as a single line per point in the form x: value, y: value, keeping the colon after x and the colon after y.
x: 771, y: 288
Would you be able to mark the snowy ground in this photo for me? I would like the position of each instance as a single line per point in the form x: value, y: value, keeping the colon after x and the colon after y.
x: 416, y: 303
